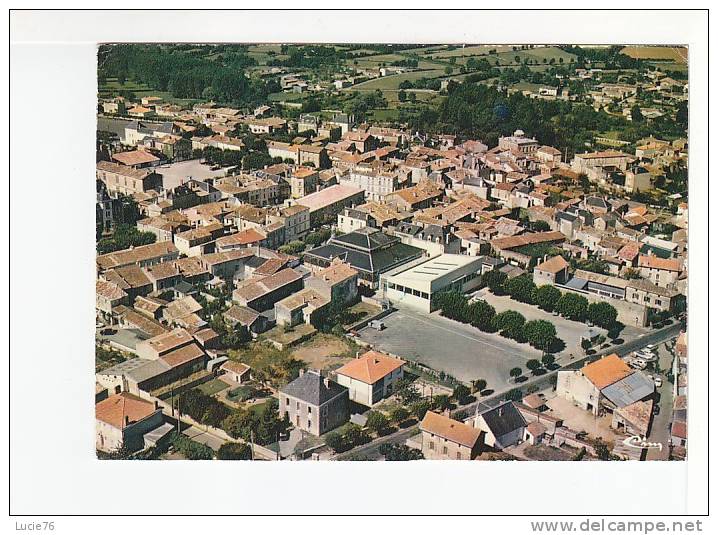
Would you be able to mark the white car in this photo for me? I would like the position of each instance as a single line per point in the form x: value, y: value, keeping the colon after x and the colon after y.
x: 657, y: 381
x: 645, y: 355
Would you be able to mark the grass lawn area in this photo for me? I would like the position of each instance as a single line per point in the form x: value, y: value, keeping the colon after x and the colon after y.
x: 361, y: 310
x: 393, y: 81
x: 212, y: 387
x: 285, y: 97
x: 675, y: 53
x: 468, y: 51
x: 112, y: 87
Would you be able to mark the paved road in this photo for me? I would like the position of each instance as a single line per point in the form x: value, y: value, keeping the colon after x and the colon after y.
x: 660, y: 429
x: 371, y: 450
x: 654, y: 337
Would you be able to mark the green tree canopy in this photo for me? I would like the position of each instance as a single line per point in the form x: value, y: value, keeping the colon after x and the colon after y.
x: 547, y: 296
x: 602, y: 314
x: 572, y: 306
x: 540, y: 333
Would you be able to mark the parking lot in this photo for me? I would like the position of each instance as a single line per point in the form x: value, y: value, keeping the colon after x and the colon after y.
x: 445, y: 345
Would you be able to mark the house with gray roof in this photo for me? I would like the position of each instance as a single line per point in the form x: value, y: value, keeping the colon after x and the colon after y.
x: 314, y: 403
x: 503, y: 426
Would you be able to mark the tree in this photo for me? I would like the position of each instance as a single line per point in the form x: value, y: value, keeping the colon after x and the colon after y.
x: 292, y: 248
x: 541, y: 226
x: 335, y: 441
x: 461, y: 394
x: 479, y: 385
x: 441, y: 402
x: 355, y: 435
x: 548, y: 360
x: 405, y: 391
x: 402, y: 95
x: 521, y: 288
x: 515, y: 373
x: 494, y: 280
x: 514, y: 395
x: 636, y: 115
x: 547, y: 296
x: 540, y: 333
x: 480, y: 315
x: 399, y: 415
x: 602, y: 314
x: 585, y: 344
x: 419, y: 408
x: 400, y: 452
x: 572, y: 306
x: 234, y: 451
x: 194, y: 451
x: 533, y: 365
x: 510, y: 324
x: 377, y: 423
x: 448, y: 69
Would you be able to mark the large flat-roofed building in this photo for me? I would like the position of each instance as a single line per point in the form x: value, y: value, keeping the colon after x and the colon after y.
x: 416, y: 286
x: 324, y: 205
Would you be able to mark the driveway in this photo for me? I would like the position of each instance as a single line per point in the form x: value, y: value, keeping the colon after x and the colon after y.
x: 446, y: 345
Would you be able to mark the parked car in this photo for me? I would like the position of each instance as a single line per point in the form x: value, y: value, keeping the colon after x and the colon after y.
x: 658, y: 381
x: 108, y: 331
x: 656, y: 409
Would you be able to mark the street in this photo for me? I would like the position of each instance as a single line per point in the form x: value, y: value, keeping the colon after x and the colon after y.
x: 660, y: 429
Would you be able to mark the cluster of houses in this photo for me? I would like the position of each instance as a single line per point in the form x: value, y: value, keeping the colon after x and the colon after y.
x: 409, y: 216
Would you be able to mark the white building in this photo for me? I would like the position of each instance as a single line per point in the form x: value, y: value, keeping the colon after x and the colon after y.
x: 415, y: 287
x: 370, y: 377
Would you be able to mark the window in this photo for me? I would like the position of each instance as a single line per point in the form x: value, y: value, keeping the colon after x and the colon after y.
x: 458, y: 455
x: 445, y: 450
x: 309, y: 409
x: 297, y: 405
x: 431, y: 445
x: 287, y: 402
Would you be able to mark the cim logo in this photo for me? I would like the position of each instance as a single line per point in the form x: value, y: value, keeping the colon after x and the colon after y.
x: 636, y: 441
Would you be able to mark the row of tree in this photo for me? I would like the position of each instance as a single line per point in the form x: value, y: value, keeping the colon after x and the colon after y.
x: 262, y: 426
x: 549, y: 298
x: 540, y: 334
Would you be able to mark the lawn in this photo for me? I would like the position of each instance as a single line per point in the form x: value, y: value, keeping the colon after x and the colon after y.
x: 360, y: 311
x: 674, y: 53
x: 393, y: 81
x: 212, y: 387
x: 111, y: 87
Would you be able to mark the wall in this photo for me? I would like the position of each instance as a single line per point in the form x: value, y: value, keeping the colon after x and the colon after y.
x: 573, y: 386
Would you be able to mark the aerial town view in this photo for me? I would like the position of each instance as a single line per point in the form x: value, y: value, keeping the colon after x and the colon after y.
x: 391, y: 252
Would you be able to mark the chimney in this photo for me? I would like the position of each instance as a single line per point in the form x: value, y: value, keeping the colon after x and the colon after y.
x: 326, y: 382
x: 157, y: 405
x: 127, y: 420
x: 301, y: 372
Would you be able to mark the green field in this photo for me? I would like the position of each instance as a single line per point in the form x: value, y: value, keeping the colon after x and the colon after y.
x: 111, y: 87
x: 393, y: 81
